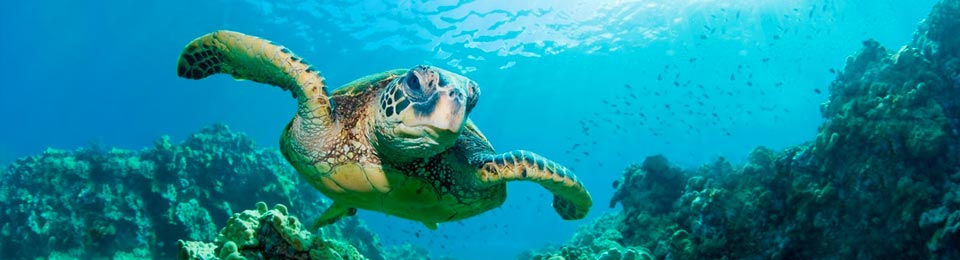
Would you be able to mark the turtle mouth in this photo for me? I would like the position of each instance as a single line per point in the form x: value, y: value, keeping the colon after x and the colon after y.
x: 423, y: 134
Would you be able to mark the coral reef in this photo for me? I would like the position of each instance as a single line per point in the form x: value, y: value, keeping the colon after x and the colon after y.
x: 881, y: 180
x: 599, y: 240
x: 267, y: 234
x: 98, y: 202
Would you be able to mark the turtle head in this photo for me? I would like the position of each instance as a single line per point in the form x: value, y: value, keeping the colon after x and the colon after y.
x: 422, y: 112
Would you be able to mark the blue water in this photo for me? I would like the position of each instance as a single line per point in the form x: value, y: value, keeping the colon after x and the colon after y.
x: 732, y: 75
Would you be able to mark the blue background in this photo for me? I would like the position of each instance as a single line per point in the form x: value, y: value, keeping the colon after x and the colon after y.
x: 76, y: 72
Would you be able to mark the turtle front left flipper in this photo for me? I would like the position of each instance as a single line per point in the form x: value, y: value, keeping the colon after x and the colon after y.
x: 252, y: 58
x: 570, y: 199
x: 332, y: 214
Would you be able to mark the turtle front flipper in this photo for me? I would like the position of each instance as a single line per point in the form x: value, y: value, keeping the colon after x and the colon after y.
x: 259, y: 60
x: 570, y: 199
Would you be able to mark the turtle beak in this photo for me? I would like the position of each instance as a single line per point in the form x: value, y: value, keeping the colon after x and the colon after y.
x: 449, y: 112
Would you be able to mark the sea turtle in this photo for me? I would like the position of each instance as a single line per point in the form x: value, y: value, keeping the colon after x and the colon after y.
x: 397, y: 142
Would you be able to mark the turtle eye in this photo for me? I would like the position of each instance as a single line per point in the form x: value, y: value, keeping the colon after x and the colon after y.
x: 413, y: 82
x: 417, y: 84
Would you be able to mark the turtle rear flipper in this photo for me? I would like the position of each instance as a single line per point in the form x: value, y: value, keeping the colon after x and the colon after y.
x: 332, y: 214
x: 570, y: 199
x: 259, y: 60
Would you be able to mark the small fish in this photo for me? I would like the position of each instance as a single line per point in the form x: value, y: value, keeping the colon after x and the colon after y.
x: 832, y: 71
x: 817, y: 90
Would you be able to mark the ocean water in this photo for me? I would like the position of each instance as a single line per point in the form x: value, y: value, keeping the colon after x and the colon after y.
x: 593, y: 85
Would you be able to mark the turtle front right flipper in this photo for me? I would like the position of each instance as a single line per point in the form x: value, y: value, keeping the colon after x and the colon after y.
x: 570, y: 199
x: 332, y: 214
x: 251, y: 58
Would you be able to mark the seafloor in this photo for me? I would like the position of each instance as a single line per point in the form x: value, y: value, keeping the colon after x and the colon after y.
x: 880, y: 181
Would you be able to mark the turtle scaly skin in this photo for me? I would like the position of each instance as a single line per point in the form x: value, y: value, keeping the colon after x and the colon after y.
x: 398, y: 142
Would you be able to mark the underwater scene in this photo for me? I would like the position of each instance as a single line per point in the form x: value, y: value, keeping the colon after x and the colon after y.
x: 531, y: 130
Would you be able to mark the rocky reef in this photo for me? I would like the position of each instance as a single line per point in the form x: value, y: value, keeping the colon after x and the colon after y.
x: 98, y: 202
x: 881, y: 180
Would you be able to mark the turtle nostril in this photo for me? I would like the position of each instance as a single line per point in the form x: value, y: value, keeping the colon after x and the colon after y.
x: 456, y: 94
